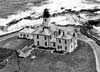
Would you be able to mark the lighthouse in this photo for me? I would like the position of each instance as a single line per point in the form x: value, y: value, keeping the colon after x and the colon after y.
x: 46, y: 17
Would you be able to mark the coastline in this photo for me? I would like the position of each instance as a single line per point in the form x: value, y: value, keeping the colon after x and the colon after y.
x: 11, y: 32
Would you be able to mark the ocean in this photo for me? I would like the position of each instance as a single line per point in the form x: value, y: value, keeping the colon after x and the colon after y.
x: 9, y: 7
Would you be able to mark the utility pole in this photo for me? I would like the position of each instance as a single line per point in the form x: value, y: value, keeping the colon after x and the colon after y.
x: 18, y: 60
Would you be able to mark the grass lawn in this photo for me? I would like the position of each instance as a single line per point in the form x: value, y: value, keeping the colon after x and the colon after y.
x: 81, y: 60
x: 4, y: 53
x: 15, y: 43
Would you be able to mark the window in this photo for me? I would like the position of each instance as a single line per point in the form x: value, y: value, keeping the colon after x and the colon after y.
x: 24, y: 35
x: 45, y: 20
x: 71, y: 47
x: 58, y: 47
x: 38, y: 43
x: 65, y: 48
x: 65, y: 41
x: 45, y: 43
x: 54, y: 44
x: 21, y: 34
x: 45, y: 37
x: 74, y: 34
x: 27, y: 35
x: 59, y: 32
x: 59, y: 41
x: 37, y: 36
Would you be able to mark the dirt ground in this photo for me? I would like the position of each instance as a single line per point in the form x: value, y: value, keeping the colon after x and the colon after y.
x: 81, y: 60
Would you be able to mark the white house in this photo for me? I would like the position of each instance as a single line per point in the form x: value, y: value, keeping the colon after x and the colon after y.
x: 25, y: 52
x: 46, y: 36
x: 66, y: 42
x: 26, y: 33
x: 59, y: 39
x: 42, y: 36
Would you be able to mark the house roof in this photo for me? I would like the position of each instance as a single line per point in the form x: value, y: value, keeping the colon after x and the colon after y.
x: 53, y: 40
x: 27, y: 30
x: 26, y: 49
x: 64, y: 36
x: 45, y: 31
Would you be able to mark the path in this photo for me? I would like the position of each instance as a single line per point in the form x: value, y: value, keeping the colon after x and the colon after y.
x: 95, y: 47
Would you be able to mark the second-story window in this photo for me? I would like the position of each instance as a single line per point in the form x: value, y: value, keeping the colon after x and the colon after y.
x: 37, y: 36
x: 65, y: 41
x: 45, y: 37
x: 59, y: 41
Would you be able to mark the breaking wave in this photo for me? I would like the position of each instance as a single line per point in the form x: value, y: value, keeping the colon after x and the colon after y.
x: 54, y: 7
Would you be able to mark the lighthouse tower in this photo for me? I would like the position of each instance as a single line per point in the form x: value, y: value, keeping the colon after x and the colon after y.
x: 46, y: 18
